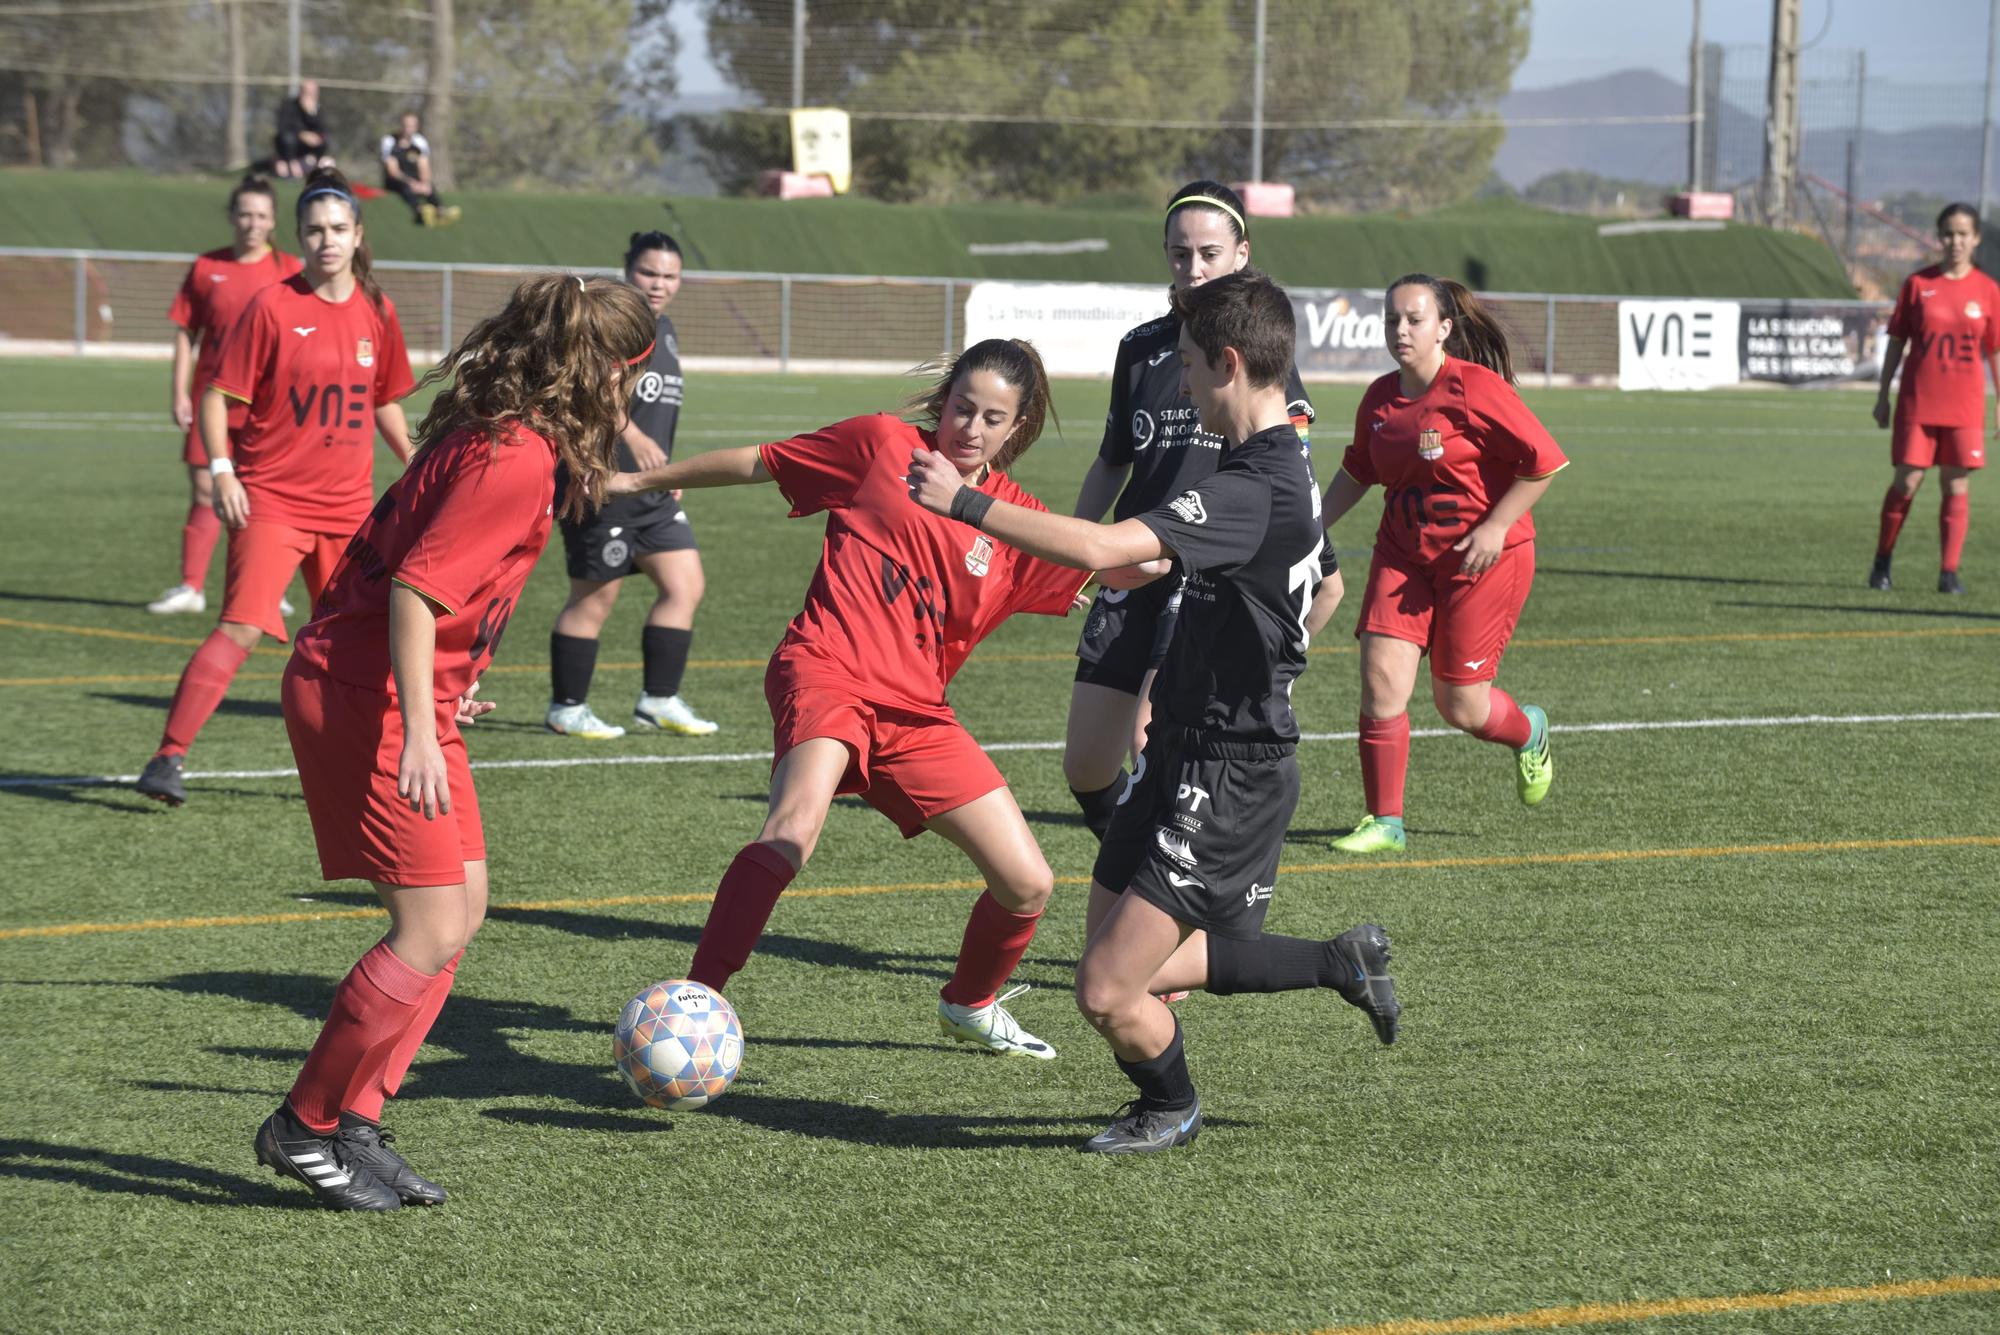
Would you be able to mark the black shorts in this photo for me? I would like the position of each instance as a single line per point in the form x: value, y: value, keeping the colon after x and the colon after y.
x: 609, y: 545
x: 1200, y: 828
x: 1127, y: 634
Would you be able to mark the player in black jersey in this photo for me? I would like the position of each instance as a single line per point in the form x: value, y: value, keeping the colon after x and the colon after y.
x: 1153, y: 448
x: 1188, y: 865
x: 648, y: 532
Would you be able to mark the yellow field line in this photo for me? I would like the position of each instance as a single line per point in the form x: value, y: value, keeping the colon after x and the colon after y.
x: 1597, y: 1314
x: 915, y: 887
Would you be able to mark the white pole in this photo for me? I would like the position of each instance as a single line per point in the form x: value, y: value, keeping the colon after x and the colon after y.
x: 1257, y: 100
x: 798, y: 53
x: 1986, y: 108
x: 292, y: 45
x: 1696, y: 103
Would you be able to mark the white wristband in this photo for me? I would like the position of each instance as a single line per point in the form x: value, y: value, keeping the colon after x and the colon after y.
x: 219, y: 465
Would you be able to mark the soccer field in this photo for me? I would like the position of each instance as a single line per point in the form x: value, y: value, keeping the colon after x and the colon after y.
x: 1707, y: 1041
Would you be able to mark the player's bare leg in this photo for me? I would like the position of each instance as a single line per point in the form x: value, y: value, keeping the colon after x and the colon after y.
x: 991, y: 831
x: 1184, y: 972
x: 1113, y: 983
x: 1490, y: 714
x: 1388, y: 678
x: 198, y: 538
x: 573, y: 658
x: 679, y: 583
x: 1102, y: 722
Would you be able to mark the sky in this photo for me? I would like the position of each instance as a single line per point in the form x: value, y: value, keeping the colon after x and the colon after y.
x: 1584, y: 39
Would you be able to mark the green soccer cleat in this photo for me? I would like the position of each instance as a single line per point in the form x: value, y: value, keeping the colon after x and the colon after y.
x: 581, y: 721
x: 1534, y: 768
x: 670, y: 713
x: 1373, y: 835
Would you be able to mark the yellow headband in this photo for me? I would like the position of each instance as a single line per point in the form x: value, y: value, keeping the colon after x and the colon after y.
x: 1212, y: 203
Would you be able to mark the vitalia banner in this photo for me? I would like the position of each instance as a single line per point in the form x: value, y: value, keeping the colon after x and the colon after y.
x: 1678, y: 344
x: 1340, y: 333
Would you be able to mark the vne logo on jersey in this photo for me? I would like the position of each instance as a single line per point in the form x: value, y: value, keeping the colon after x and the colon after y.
x: 980, y: 558
x: 1189, y: 507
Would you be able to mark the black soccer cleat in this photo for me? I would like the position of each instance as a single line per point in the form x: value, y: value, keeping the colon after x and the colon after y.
x: 1365, y: 951
x: 1948, y: 582
x: 161, y: 780
x: 1141, y: 1130
x: 322, y: 1163
x: 1878, y: 575
x: 366, y: 1144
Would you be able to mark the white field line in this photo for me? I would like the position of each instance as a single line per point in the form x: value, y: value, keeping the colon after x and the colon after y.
x: 744, y: 757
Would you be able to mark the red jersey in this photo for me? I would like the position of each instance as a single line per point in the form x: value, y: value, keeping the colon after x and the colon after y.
x: 1445, y: 456
x: 1950, y: 326
x: 463, y: 526
x: 213, y: 296
x: 901, y: 595
x: 313, y: 373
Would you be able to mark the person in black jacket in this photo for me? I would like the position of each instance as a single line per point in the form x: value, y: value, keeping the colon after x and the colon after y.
x: 301, y: 143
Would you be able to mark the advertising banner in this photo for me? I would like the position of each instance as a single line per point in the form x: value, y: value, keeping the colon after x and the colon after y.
x: 1801, y: 343
x: 1075, y: 326
x: 1678, y: 344
x: 1340, y: 333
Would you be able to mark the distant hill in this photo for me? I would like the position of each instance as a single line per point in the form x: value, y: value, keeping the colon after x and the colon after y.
x: 1942, y: 159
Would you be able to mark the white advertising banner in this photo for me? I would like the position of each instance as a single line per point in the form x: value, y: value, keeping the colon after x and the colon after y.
x: 1678, y: 344
x: 1074, y: 326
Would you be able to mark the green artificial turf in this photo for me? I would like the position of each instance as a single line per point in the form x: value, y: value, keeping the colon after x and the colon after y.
x: 1714, y: 1072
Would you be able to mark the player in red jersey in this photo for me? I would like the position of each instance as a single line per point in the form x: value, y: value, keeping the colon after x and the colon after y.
x: 1948, y: 318
x: 857, y: 686
x: 319, y: 361
x: 1461, y: 460
x: 217, y: 288
x: 382, y: 679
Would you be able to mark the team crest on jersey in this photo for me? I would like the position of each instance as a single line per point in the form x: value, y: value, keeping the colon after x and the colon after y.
x: 1972, y: 311
x: 1189, y: 507
x: 980, y: 558
x: 364, y: 351
x: 616, y: 552
x: 1430, y: 443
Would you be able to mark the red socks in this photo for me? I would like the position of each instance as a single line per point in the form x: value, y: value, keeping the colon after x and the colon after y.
x: 995, y: 939
x: 1954, y: 517
x: 198, y: 537
x: 1506, y: 724
x: 1895, y: 509
x: 1385, y: 762
x: 204, y: 682
x: 367, y: 1102
x: 374, y: 1007
x: 743, y: 904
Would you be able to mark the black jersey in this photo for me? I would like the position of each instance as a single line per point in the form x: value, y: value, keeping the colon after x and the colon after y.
x: 655, y: 408
x: 1152, y: 427
x: 1247, y: 539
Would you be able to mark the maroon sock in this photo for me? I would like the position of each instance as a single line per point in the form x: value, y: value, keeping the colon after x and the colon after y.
x: 743, y: 904
x: 367, y: 1101
x: 1385, y: 763
x: 198, y: 537
x: 995, y: 939
x: 1895, y: 509
x: 1954, y: 517
x: 1505, y: 723
x: 372, y: 1007
x: 204, y: 682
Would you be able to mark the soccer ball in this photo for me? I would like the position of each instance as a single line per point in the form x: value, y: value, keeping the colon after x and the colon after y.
x: 678, y: 1045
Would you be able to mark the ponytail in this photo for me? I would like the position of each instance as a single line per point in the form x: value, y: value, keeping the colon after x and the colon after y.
x: 329, y: 182
x: 1476, y: 335
x: 1013, y: 360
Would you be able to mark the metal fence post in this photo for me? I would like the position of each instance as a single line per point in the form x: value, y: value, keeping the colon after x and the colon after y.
x: 1549, y: 347
x: 950, y: 312
x: 82, y: 301
x: 444, y: 307
x: 784, y: 322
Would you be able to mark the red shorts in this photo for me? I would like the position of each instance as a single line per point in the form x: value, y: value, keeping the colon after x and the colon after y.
x: 1914, y: 446
x: 262, y: 559
x: 910, y: 767
x: 1463, y: 622
x: 193, y: 452
x: 348, y: 741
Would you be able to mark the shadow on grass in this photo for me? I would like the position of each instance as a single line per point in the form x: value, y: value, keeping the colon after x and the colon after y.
x: 1663, y: 577
x: 161, y: 703
x: 89, y: 791
x: 19, y: 596
x: 1945, y: 612
x: 141, y: 1175
x: 1307, y: 835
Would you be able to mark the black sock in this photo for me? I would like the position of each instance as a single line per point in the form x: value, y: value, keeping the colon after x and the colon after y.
x: 1267, y: 963
x: 356, y: 1119
x: 572, y: 660
x: 1098, y: 806
x: 666, y: 653
x: 1163, y: 1081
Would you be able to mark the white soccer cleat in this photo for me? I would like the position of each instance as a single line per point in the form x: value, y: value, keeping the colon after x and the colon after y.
x: 581, y: 721
x: 285, y: 607
x: 669, y: 713
x: 992, y: 1028
x: 180, y: 598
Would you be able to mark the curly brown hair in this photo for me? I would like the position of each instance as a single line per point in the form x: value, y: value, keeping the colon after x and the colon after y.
x: 554, y: 361
x: 1016, y: 362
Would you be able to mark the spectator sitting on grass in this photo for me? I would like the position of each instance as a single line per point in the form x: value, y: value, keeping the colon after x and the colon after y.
x: 406, y: 169
x: 300, y: 144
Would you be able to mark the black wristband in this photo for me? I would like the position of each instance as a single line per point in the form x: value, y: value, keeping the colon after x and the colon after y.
x: 970, y: 506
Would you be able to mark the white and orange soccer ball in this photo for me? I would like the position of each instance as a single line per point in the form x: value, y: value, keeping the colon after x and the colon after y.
x: 678, y: 1045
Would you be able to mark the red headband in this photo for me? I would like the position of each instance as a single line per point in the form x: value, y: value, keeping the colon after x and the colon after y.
x: 644, y: 355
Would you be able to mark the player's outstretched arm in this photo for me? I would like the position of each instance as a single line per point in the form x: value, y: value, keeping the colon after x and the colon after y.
x: 936, y: 485
x: 717, y: 468
x: 1341, y: 495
